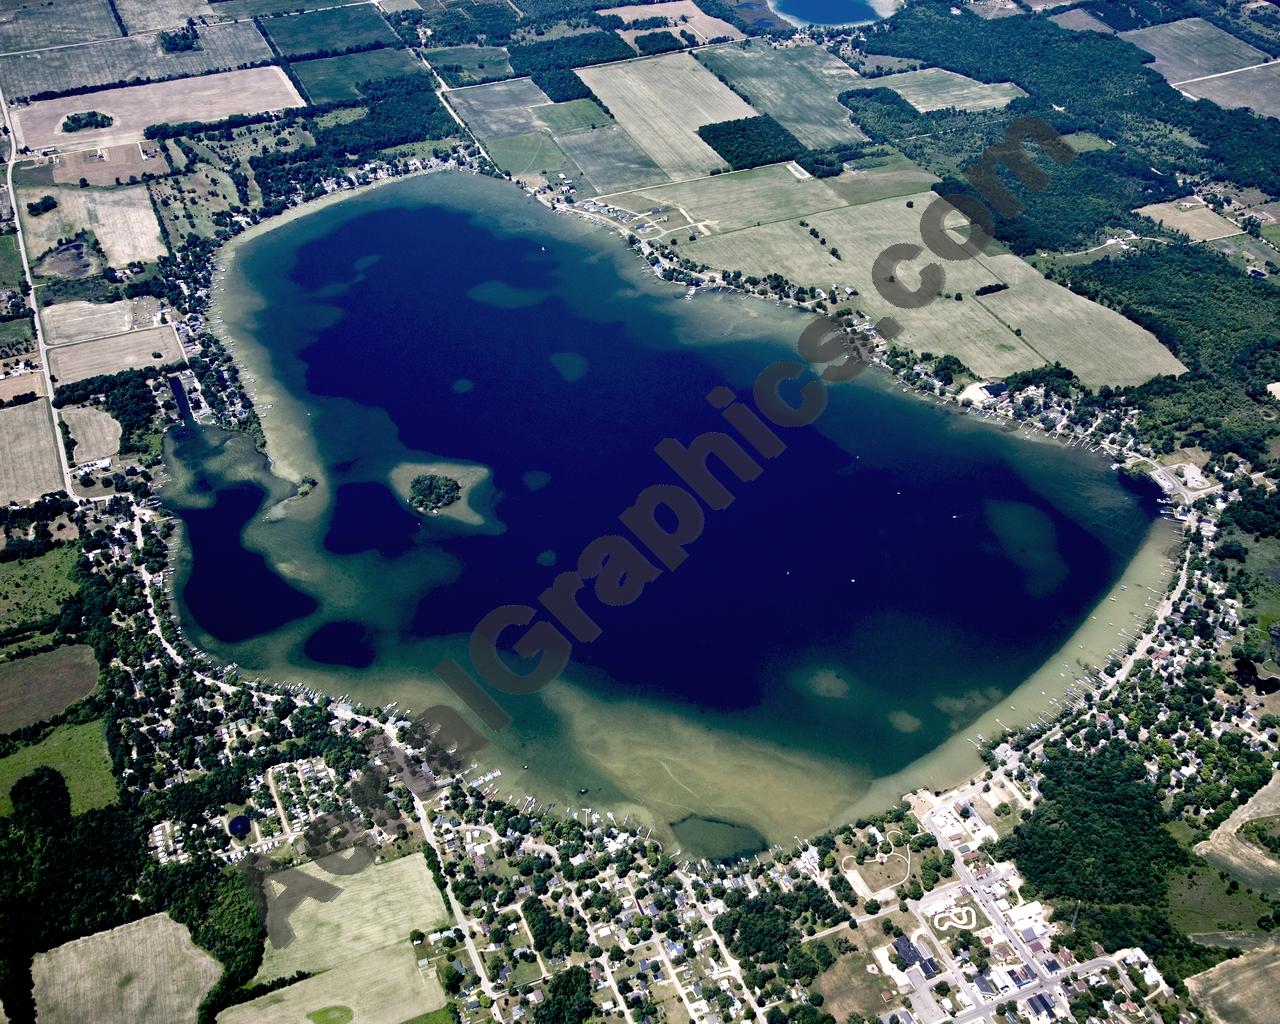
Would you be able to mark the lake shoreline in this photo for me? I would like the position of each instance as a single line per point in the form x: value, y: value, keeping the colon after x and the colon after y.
x: 951, y: 762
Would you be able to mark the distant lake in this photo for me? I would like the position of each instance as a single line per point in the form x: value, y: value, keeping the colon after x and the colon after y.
x: 827, y: 12
x: 890, y: 577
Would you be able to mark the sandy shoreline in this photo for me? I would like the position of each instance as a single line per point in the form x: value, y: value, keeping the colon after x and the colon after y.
x: 883, y: 9
x: 292, y: 454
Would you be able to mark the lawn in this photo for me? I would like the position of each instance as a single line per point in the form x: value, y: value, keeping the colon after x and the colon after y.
x: 11, y: 275
x: 848, y: 986
x: 799, y: 87
x: 77, y: 751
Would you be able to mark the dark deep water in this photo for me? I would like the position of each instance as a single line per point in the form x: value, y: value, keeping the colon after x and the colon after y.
x: 893, y: 561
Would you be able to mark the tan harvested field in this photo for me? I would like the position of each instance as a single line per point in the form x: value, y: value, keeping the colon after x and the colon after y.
x: 1099, y: 344
x: 33, y: 25
x: 377, y: 908
x: 701, y: 25
x: 1241, y: 991
x: 1191, y: 216
x: 112, y: 165
x: 96, y: 433
x: 66, y: 322
x: 1081, y: 21
x: 131, y: 351
x: 937, y: 89
x: 122, y: 220
x: 207, y: 98
x: 35, y: 688
x: 22, y: 384
x: 661, y: 102
x: 144, y: 972
x: 29, y: 461
x: 380, y: 987
x: 1256, y: 88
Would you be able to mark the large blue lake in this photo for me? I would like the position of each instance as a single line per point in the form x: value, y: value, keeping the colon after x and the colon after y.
x: 896, y: 572
x: 827, y: 12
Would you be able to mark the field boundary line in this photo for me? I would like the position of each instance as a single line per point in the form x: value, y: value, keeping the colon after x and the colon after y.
x: 1223, y: 74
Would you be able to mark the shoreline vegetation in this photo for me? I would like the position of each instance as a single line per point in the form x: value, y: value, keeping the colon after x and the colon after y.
x: 471, y: 500
x: 289, y: 450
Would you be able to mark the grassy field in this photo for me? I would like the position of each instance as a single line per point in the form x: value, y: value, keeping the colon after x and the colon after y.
x: 77, y: 751
x: 1199, y: 222
x: 222, y: 46
x: 96, y: 433
x: 377, y: 909
x: 575, y: 115
x: 937, y: 89
x: 1085, y: 142
x: 79, y: 321
x: 1240, y: 991
x: 132, y: 351
x: 29, y: 462
x: 477, y: 63
x: 531, y: 154
x: 11, y: 275
x: 499, y: 109
x: 1199, y: 901
x: 208, y: 98
x: 121, y: 219
x: 1081, y: 21
x: 379, y: 987
x: 848, y: 986
x: 661, y: 102
x: 35, y: 688
x: 883, y: 173
x: 31, y: 26
x: 728, y: 202
x: 33, y: 589
x: 144, y: 972
x: 330, y: 31
x: 188, y: 202
x: 1258, y: 89
x: 17, y: 336
x: 611, y: 159
x: 257, y: 8
x: 799, y: 87
x: 1100, y: 345
x: 329, y: 79
x: 1192, y: 48
x: 150, y: 15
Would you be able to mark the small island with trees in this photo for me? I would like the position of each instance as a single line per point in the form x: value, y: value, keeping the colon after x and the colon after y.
x: 89, y: 119
x: 430, y: 492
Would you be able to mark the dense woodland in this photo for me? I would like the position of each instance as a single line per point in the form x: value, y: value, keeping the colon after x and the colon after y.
x: 751, y: 141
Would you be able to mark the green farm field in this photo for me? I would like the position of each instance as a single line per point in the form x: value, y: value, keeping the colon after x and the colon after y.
x: 575, y: 115
x: 799, y: 87
x: 328, y: 79
x: 611, y: 159
x: 533, y: 153
x: 38, y: 687
x: 32, y: 589
x: 329, y: 31
x: 11, y: 275
x: 77, y: 751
